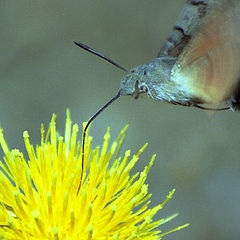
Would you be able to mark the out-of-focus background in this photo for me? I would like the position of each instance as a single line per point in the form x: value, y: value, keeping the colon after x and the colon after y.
x: 43, y: 72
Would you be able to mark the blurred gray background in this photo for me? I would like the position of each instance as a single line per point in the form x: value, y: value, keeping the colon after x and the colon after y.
x: 43, y: 72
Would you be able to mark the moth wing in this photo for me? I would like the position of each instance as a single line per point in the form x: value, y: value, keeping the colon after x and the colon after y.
x: 209, y: 65
x: 185, y: 27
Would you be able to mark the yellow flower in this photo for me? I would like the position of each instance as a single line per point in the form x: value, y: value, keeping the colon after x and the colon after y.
x: 44, y: 197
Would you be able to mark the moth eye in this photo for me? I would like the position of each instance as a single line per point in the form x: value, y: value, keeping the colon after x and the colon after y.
x: 144, y: 72
x: 143, y: 89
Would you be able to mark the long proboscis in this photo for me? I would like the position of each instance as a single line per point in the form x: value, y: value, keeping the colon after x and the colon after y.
x: 85, y: 132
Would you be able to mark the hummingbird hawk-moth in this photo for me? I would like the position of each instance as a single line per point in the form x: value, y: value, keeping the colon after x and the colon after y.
x: 198, y: 64
x: 200, y: 61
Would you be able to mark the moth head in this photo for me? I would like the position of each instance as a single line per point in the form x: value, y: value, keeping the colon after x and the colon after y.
x: 134, y: 82
x: 142, y: 78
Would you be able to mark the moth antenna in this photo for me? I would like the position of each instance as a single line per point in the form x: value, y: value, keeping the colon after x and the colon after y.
x: 212, y: 109
x: 85, y: 131
x: 89, y: 49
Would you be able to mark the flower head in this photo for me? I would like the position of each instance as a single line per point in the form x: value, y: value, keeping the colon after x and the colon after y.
x: 50, y: 196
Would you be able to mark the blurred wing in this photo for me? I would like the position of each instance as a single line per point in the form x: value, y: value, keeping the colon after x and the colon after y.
x: 208, y: 67
x: 185, y: 27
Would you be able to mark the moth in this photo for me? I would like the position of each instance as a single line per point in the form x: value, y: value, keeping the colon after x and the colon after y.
x: 198, y: 64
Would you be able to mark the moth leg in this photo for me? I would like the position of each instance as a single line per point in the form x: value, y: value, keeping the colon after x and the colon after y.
x: 211, y: 109
x: 136, y: 90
